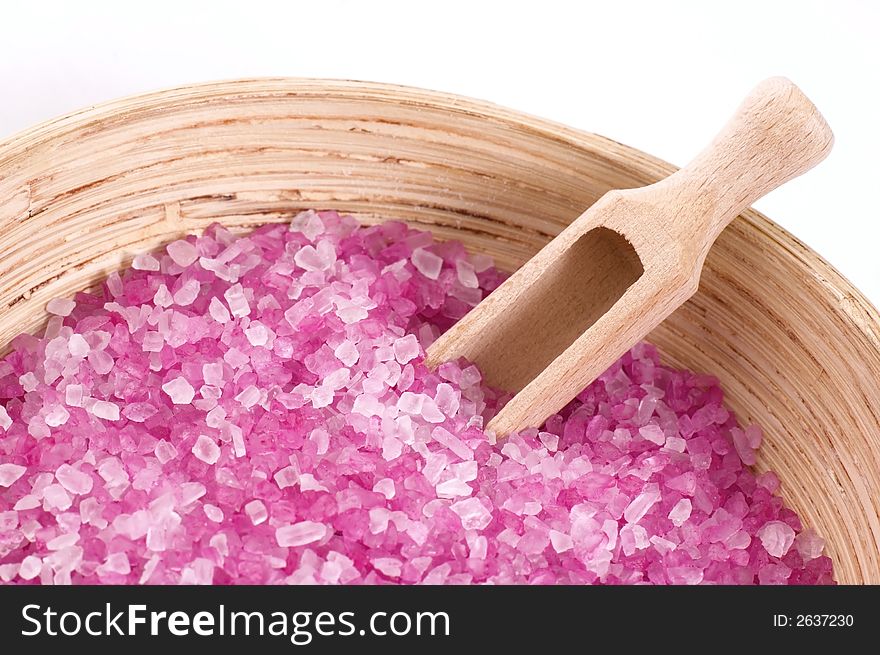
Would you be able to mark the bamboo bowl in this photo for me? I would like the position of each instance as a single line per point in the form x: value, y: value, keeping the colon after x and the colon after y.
x: 796, y: 347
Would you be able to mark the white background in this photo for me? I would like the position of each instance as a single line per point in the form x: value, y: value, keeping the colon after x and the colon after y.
x: 660, y: 76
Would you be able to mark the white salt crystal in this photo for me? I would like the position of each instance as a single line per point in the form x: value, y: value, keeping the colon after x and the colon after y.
x: 308, y: 482
x: 256, y: 511
x: 308, y: 223
x: 347, y: 353
x: 680, y: 512
x: 300, y: 534
x: 106, y: 410
x: 321, y: 439
x: 206, y: 449
x: 153, y: 342
x: 218, y: 311
x: 473, y: 514
x: 9, y: 473
x: 427, y: 263
x: 411, y: 403
x: 653, y: 433
x: 322, y: 397
x: 56, y: 496
x: 187, y: 294
x: 385, y: 486
x: 406, y: 348
x: 78, y: 346
x: 75, y: 481
x: 776, y: 537
x: 5, y: 419
x: 238, y: 446
x: 179, y: 390
x: 182, y: 252
x: 215, y: 417
x: 60, y: 306
x: 213, y: 374
x: 388, y: 566
x: 115, y: 563
x: 249, y: 396
x: 26, y: 502
x: 235, y: 298
x: 73, y: 395
x: 145, y: 262
x: 286, y: 477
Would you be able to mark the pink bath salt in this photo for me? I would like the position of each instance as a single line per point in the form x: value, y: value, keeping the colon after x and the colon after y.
x: 427, y: 263
x: 9, y: 473
x: 179, y: 390
x: 165, y: 451
x: 75, y: 481
x: 473, y: 514
x: 182, y: 253
x: 776, y: 537
x: 263, y: 415
x: 300, y: 534
x: 60, y: 306
x: 206, y: 449
x: 256, y: 511
x: 145, y: 262
x: 106, y: 410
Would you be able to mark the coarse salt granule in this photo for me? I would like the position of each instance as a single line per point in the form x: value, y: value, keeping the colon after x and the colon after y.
x: 256, y: 410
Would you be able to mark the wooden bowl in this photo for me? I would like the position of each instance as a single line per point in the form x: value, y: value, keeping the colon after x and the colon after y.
x: 796, y: 347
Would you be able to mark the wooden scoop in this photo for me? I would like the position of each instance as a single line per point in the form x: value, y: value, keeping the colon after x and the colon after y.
x: 628, y: 262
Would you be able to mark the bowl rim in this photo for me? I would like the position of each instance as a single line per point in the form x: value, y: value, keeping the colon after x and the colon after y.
x: 841, y: 293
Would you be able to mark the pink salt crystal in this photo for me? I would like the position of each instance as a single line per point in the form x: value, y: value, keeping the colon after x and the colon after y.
x: 256, y: 511
x: 466, y: 274
x: 653, y: 433
x: 560, y: 541
x: 117, y: 563
x: 30, y: 567
x: 238, y: 303
x: 56, y: 416
x: 473, y: 514
x: 101, y: 362
x: 218, y: 311
x: 139, y: 412
x: 60, y: 306
x: 206, y: 449
x: 427, y: 263
x: 73, y: 395
x: 213, y: 513
x: 76, y: 482
x: 182, y: 253
x: 56, y: 497
x: 249, y: 396
x: 453, y: 443
x: 179, y: 390
x: 187, y: 294
x: 163, y: 297
x: 106, y: 410
x: 5, y: 419
x: 164, y: 451
x: 776, y: 537
x: 145, y: 262
x: 641, y: 504
x: 809, y: 545
x: 300, y: 534
x: 385, y: 486
x: 9, y: 473
x: 681, y: 512
x: 286, y: 477
x: 78, y: 346
x: 347, y: 353
x: 406, y: 348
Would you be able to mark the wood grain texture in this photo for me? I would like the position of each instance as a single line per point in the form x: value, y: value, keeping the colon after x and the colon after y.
x: 795, y: 346
x: 586, y: 298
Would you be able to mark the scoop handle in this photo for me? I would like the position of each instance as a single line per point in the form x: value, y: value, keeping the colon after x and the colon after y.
x: 774, y: 136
